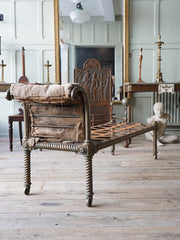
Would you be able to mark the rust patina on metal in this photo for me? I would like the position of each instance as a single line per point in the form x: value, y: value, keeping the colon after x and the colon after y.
x: 57, y: 117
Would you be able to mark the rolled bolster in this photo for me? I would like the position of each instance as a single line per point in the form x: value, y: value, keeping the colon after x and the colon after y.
x: 28, y: 91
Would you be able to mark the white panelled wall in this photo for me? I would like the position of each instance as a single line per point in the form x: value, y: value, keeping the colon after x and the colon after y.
x: 30, y: 23
x: 27, y: 23
x: 148, y: 19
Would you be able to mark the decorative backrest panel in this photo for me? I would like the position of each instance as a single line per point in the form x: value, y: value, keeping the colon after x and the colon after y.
x: 97, y: 83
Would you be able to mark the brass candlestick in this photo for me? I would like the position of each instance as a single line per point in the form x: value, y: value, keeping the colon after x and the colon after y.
x: 2, y: 65
x: 48, y: 66
x: 140, y: 66
x: 159, y: 77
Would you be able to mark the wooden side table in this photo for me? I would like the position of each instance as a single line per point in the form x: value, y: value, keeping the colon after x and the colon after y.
x: 131, y: 88
x: 15, y: 118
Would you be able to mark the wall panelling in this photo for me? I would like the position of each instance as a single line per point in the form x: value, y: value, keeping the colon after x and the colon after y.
x: 28, y: 23
x: 148, y: 19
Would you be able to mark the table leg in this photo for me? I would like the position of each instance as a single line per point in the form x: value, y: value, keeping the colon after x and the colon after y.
x: 20, y: 131
x: 10, y: 135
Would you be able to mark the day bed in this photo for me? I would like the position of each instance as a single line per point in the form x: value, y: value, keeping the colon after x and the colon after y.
x: 57, y: 117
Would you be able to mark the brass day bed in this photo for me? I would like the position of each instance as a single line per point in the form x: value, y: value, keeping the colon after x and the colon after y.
x: 57, y: 117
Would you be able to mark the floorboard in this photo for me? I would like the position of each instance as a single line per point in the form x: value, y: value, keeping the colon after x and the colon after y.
x: 136, y: 197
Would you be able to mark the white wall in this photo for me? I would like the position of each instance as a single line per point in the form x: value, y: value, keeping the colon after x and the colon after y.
x: 28, y: 23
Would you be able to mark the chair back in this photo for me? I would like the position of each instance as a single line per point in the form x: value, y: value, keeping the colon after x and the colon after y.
x: 97, y: 83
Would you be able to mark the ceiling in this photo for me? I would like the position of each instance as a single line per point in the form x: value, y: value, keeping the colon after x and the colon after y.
x: 106, y: 8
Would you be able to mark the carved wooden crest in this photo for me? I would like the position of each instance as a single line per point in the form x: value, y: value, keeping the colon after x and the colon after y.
x: 96, y: 81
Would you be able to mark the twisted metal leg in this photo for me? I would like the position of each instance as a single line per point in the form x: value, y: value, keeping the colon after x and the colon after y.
x: 27, y: 171
x: 89, y: 181
x: 112, y: 149
x: 155, y: 143
x: 126, y: 143
x: 112, y: 133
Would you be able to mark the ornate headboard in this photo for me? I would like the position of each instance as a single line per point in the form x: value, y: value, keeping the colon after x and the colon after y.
x: 97, y: 83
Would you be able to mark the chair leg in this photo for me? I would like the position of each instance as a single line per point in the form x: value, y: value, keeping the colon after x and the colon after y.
x: 27, y: 171
x: 20, y: 131
x: 89, y: 181
x: 10, y: 135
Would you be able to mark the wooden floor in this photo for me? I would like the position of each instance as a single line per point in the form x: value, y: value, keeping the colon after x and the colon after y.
x: 136, y: 197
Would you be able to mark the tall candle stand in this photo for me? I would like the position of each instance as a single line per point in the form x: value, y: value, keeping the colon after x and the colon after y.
x: 48, y: 66
x: 140, y: 66
x: 159, y: 77
x: 2, y: 65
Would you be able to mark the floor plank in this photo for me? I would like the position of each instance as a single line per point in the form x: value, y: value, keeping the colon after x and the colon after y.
x: 136, y: 197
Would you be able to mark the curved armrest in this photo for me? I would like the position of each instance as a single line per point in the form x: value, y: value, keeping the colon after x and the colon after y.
x: 76, y: 91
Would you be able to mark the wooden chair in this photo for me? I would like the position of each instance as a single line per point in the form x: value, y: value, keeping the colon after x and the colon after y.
x: 11, y: 119
x: 98, y: 84
x: 20, y: 116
